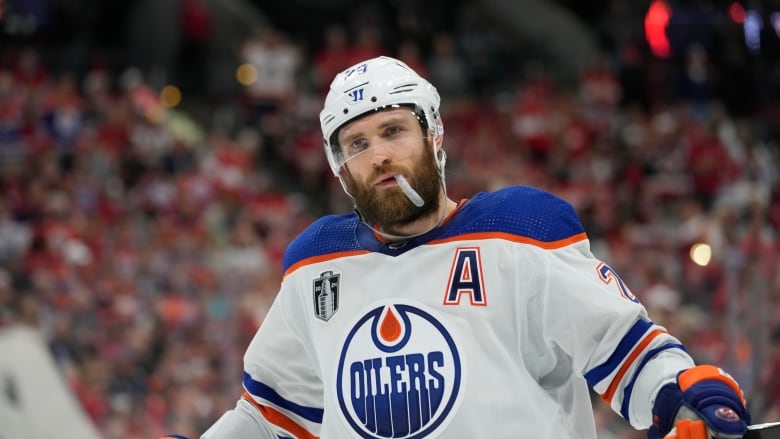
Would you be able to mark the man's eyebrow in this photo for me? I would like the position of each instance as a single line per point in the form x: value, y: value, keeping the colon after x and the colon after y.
x: 392, y: 120
x: 350, y: 136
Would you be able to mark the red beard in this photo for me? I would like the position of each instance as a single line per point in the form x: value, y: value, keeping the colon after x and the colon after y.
x: 390, y: 207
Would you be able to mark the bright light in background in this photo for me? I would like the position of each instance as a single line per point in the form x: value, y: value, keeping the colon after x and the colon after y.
x: 170, y: 96
x: 737, y: 13
x: 753, y: 31
x: 246, y: 74
x: 775, y: 18
x: 656, y: 21
x: 701, y: 254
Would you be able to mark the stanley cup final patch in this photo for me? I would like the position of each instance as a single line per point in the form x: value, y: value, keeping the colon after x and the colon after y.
x: 326, y: 295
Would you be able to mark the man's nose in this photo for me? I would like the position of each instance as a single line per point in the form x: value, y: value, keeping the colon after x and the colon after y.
x: 381, y: 153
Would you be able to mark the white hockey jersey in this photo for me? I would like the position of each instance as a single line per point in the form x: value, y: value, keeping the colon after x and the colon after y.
x: 491, y: 326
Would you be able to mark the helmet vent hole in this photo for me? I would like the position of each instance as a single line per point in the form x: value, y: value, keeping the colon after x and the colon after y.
x: 373, y: 98
x: 346, y: 111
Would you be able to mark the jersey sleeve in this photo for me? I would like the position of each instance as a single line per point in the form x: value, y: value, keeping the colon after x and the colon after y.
x: 283, y: 391
x: 590, y: 314
x: 242, y: 421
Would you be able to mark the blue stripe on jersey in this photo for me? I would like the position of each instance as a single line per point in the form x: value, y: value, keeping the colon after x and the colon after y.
x: 517, y: 210
x: 329, y: 234
x: 257, y: 388
x: 598, y: 373
x: 647, y: 357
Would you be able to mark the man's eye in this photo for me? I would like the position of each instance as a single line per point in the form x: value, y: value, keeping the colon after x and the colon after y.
x: 391, y: 130
x: 359, y: 144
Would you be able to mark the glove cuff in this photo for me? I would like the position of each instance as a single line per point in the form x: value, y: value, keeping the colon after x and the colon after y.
x: 667, y: 403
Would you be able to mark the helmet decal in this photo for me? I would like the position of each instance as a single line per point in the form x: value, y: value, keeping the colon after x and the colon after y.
x: 356, y: 95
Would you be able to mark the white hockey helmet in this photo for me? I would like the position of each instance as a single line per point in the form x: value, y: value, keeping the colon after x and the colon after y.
x: 372, y: 85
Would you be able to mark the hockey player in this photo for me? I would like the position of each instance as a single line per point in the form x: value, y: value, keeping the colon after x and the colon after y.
x: 421, y: 316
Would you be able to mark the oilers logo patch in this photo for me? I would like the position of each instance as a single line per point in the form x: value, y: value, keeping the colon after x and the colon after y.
x: 399, y: 373
x: 326, y: 295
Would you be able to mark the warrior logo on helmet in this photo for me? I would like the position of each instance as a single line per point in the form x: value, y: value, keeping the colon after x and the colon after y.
x: 356, y: 95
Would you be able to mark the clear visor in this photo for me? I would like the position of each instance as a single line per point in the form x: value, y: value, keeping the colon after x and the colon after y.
x: 349, y: 143
x: 366, y: 151
x: 400, y: 153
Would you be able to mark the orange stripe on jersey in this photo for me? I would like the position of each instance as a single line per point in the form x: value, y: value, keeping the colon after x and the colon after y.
x: 607, y: 396
x: 708, y: 372
x: 280, y: 419
x: 322, y: 258
x: 549, y: 245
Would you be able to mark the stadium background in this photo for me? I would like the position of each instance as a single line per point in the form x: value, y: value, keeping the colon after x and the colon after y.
x: 157, y: 156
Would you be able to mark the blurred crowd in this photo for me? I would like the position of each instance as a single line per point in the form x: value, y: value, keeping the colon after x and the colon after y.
x: 147, y: 245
